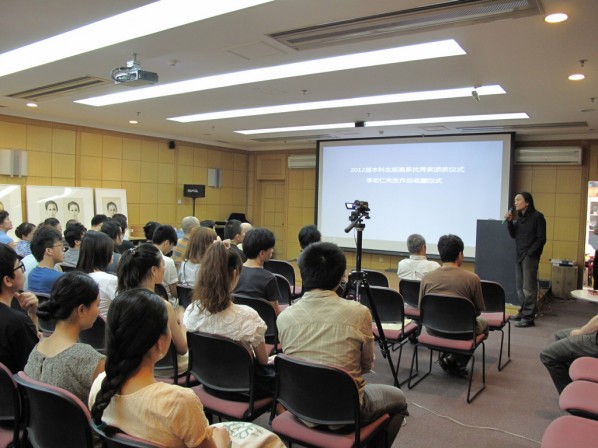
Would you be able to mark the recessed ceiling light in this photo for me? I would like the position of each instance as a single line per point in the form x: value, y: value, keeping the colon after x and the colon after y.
x: 577, y: 77
x: 149, y: 19
x: 348, y: 102
x: 404, y: 122
x: 556, y: 17
x: 395, y: 55
x: 31, y: 104
x: 133, y: 122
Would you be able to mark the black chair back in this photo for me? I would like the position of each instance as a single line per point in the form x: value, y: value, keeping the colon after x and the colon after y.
x: 409, y: 289
x: 286, y: 295
x: 96, y: 335
x: 56, y: 418
x: 10, y: 404
x: 161, y: 291
x: 115, y: 438
x: 389, y: 304
x: 169, y: 364
x: 265, y: 311
x: 376, y: 278
x: 184, y: 293
x: 452, y: 316
x: 67, y: 267
x: 494, y: 297
x: 46, y: 326
x: 283, y: 268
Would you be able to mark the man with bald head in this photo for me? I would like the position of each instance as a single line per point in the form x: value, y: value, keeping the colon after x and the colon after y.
x: 188, y: 224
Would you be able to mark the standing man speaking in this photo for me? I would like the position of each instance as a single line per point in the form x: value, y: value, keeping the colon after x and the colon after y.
x: 529, y: 231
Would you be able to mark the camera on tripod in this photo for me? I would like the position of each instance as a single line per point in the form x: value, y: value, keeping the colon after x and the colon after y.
x: 360, y: 210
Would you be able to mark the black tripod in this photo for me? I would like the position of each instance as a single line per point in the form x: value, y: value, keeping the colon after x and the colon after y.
x: 358, y: 281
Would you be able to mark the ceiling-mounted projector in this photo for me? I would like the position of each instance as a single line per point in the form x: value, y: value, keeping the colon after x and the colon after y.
x: 133, y: 75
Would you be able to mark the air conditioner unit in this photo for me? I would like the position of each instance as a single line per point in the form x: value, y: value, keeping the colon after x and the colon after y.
x: 557, y: 155
x: 295, y: 162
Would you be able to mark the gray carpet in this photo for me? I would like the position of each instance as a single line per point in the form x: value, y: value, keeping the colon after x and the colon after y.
x: 520, y: 399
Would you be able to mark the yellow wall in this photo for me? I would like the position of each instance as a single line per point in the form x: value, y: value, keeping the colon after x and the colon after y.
x: 152, y: 174
x: 258, y: 183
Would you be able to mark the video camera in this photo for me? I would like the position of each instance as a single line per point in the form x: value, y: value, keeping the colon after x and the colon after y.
x: 360, y: 210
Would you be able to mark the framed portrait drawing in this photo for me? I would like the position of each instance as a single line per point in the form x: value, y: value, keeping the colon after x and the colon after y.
x: 10, y: 200
x: 111, y: 201
x: 62, y: 203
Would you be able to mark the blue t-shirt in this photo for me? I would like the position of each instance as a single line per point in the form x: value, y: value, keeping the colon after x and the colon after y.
x: 42, y: 279
x: 4, y: 238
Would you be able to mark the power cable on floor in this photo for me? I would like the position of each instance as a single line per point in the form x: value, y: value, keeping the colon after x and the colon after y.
x: 489, y: 428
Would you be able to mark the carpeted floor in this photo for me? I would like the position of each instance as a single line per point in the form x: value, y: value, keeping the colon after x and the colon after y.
x: 520, y: 400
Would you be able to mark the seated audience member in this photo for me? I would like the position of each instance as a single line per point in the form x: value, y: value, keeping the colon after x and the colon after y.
x: 60, y: 360
x: 148, y: 230
x: 143, y: 267
x: 53, y: 222
x: 233, y: 231
x: 113, y: 230
x: 96, y: 254
x: 48, y: 249
x: 451, y: 280
x: 165, y: 239
x: 122, y: 222
x: 569, y: 345
x: 128, y: 396
x: 245, y: 227
x: 188, y: 224
x: 24, y: 232
x: 414, y: 267
x: 70, y: 222
x: 201, y: 239
x: 255, y: 281
x: 213, y: 311
x: 5, y: 226
x: 18, y: 331
x: 308, y: 235
x: 207, y: 223
x: 73, y: 235
x: 324, y: 328
x: 97, y: 221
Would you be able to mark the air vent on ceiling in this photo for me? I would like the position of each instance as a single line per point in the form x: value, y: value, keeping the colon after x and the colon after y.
x: 525, y: 127
x: 558, y: 155
x: 296, y: 138
x: 405, y: 21
x: 303, y: 161
x: 67, y: 87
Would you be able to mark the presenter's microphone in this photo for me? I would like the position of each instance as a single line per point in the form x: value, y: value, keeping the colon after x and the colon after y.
x: 511, y: 210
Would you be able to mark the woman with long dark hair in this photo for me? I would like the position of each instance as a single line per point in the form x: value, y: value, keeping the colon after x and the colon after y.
x: 128, y: 396
x: 200, y: 240
x: 60, y: 360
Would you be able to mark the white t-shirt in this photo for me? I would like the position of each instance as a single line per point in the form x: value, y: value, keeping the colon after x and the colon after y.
x: 414, y: 267
x: 107, y: 284
x: 170, y: 275
x: 188, y: 272
x: 237, y: 322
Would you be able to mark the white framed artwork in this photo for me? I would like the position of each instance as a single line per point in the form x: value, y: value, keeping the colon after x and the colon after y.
x: 111, y: 201
x: 62, y: 203
x: 10, y: 200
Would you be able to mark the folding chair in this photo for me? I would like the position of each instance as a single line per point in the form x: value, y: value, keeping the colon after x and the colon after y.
x: 584, y: 368
x: 268, y: 315
x: 115, y: 438
x: 409, y: 289
x: 10, y: 409
x: 286, y: 295
x: 580, y: 398
x: 55, y: 417
x: 221, y: 364
x: 184, y: 292
x: 96, y: 335
x: 46, y: 326
x: 321, y: 395
x: 570, y: 431
x: 285, y: 269
x: 166, y: 370
x: 454, y: 317
x: 391, y: 311
x: 496, y: 316
x: 376, y: 278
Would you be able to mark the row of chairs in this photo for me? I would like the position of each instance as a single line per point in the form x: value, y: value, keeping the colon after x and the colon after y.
x: 580, y: 399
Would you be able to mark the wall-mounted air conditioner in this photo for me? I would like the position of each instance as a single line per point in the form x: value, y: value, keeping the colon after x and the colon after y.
x: 556, y: 155
x: 307, y: 161
x: 13, y: 162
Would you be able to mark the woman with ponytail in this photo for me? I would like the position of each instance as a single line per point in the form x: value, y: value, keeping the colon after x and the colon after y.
x: 143, y: 267
x: 128, y: 396
x: 213, y: 311
x: 60, y: 360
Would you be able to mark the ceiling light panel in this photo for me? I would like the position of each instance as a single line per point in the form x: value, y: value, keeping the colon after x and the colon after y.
x: 408, y: 53
x: 150, y: 19
x: 348, y: 102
